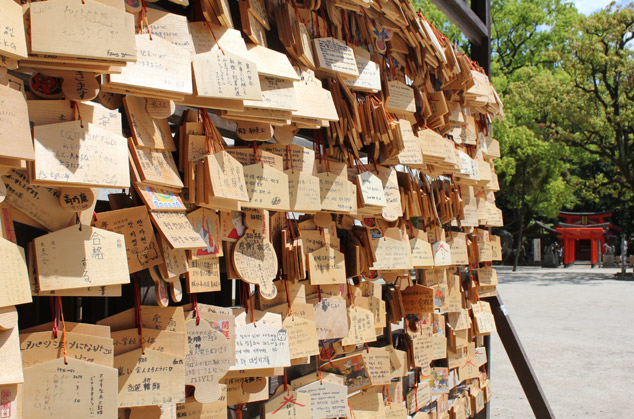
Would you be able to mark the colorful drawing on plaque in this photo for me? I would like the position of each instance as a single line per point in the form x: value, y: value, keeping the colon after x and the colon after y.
x: 163, y: 200
x: 439, y: 296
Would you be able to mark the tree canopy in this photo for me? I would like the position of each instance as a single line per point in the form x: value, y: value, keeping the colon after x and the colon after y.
x: 567, y: 82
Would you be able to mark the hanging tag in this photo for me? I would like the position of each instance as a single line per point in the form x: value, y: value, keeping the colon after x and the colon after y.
x: 207, y: 360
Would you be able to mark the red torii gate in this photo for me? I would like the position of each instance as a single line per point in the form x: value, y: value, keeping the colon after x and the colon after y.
x: 592, y: 226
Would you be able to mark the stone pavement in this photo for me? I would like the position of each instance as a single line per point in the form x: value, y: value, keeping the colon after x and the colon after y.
x: 577, y: 327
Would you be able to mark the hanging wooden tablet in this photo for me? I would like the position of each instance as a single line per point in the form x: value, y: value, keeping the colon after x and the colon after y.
x: 39, y: 347
x: 361, y: 328
x: 313, y: 101
x: 44, y: 112
x: 271, y: 63
x: 135, y: 226
x: 93, y: 388
x: 207, y: 360
x: 303, y: 189
x: 411, y: 154
x: 287, y: 405
x: 73, y: 258
x: 10, y: 348
x: 442, y: 253
x: 369, y: 79
x: 160, y: 108
x: 254, y: 258
x: 327, y: 399
x: 277, y: 94
x: 156, y: 167
x: 11, y: 400
x: 147, y: 131
x: 334, y: 56
x: 226, y: 75
x: 371, y: 190
x: 178, y: 230
x: 150, y: 379
x: 393, y: 209
x: 226, y: 177
x: 377, y: 362
x: 267, y: 188
x: 483, y: 317
x: 295, y: 157
x: 263, y: 344
x: 160, y: 67
x: 401, y: 97
x: 302, y: 336
x: 158, y: 199
x: 254, y: 131
x: 353, y: 369
x: 15, y: 142
x: 90, y: 30
x: 252, y: 27
x: 173, y: 343
x: 207, y: 224
x: 228, y: 39
x: 77, y: 199
x: 335, y: 192
x: 326, y: 266
x: 392, y: 251
x: 331, y: 318
x: 191, y: 409
x: 203, y: 275
x: 236, y: 393
x: 12, y: 23
x: 418, y: 396
x: 418, y: 300
x: 98, y: 291
x: 367, y: 405
x: 68, y: 153
x: 169, y: 26
x: 422, y: 254
x: 14, y: 277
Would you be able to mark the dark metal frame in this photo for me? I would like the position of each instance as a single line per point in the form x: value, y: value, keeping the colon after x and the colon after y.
x: 475, y: 24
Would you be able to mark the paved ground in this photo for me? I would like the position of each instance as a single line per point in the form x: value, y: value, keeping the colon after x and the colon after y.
x: 577, y: 327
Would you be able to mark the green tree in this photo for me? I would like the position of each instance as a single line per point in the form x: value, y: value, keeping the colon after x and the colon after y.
x: 594, y: 111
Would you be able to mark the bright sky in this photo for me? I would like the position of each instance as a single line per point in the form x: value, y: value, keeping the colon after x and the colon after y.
x: 588, y: 6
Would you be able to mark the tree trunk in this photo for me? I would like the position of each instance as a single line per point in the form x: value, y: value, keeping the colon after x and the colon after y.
x: 520, y: 236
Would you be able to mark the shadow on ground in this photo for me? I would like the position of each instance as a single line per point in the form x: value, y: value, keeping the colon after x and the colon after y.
x: 547, y: 277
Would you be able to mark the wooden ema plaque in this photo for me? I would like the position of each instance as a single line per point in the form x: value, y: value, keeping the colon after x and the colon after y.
x: 333, y: 56
x: 78, y: 389
x: 254, y: 256
x: 10, y: 347
x: 74, y: 258
x: 15, y: 141
x: 161, y: 68
x: 90, y: 30
x: 134, y: 224
x: 39, y: 347
x: 207, y: 360
x: 13, y: 26
x: 327, y: 399
x: 14, y: 277
x: 288, y: 405
x: 263, y: 344
x: 69, y: 154
x: 153, y: 378
x: 215, y: 71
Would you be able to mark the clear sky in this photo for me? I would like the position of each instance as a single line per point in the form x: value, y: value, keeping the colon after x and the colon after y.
x: 588, y: 6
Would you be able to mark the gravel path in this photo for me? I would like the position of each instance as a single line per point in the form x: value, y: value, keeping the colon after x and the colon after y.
x: 577, y: 327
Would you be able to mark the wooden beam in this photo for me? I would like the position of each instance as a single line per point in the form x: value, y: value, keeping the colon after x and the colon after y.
x: 459, y: 12
x: 482, y: 53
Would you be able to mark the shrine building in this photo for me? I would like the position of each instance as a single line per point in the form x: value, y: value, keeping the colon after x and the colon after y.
x: 583, y: 235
